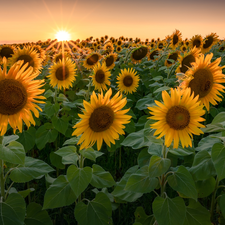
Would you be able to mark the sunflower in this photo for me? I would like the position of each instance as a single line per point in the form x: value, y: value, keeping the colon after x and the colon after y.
x: 91, y: 60
x: 108, y: 47
x: 160, y: 45
x: 196, y: 41
x: 174, y: 56
x: 178, y: 118
x: 58, y: 56
x: 118, y: 48
x: 184, y: 48
x: 6, y: 51
x: 209, y: 41
x: 204, y: 80
x: 102, y: 119
x: 110, y: 60
x: 139, y: 53
x: 27, y: 54
x: 186, y: 60
x: 128, y: 80
x: 154, y: 54
x: 175, y: 39
x: 18, y: 93
x: 101, y: 76
x: 61, y: 75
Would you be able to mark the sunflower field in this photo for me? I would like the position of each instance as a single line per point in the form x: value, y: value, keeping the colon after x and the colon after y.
x: 113, y: 131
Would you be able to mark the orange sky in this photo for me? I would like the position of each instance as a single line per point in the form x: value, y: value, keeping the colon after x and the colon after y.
x: 33, y: 20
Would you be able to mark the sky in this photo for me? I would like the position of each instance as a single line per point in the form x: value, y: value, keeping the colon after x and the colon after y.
x: 33, y: 20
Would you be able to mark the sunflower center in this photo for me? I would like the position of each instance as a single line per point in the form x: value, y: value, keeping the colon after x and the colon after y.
x: 128, y: 81
x: 13, y: 96
x: 100, y: 76
x: 7, y: 52
x: 196, y: 43
x: 140, y: 53
x: 109, y: 61
x: 62, y: 73
x: 202, y: 82
x: 173, y: 56
x: 26, y: 59
x: 153, y: 54
x: 175, y: 39
x: 101, y: 119
x: 160, y: 46
x: 208, y: 42
x: 186, y: 62
x: 92, y: 60
x: 178, y: 117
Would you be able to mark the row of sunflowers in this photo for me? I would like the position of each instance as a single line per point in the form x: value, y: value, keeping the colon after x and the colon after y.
x: 113, y: 131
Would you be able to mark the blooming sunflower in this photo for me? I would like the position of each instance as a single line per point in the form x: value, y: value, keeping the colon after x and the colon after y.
x: 27, y: 54
x: 178, y: 118
x: 175, y: 39
x: 186, y: 60
x: 209, y: 41
x: 160, y: 45
x: 154, y: 54
x: 118, y: 48
x: 110, y: 60
x: 101, y: 76
x: 102, y: 119
x: 109, y: 47
x: 139, y: 53
x: 6, y: 51
x: 128, y: 80
x: 18, y: 93
x: 40, y: 51
x: 58, y: 56
x: 174, y: 56
x: 196, y: 41
x: 204, y: 79
x: 91, y: 60
x: 61, y: 75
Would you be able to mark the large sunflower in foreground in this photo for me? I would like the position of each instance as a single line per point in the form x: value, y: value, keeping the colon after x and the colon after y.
x: 209, y: 41
x: 91, y: 60
x: 62, y: 74
x: 18, y: 93
x: 186, y: 60
x: 28, y: 55
x: 178, y: 118
x: 204, y: 80
x: 101, y: 76
x: 102, y: 119
x: 128, y: 80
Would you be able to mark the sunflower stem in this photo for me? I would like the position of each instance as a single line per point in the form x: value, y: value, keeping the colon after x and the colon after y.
x: 213, y: 200
x: 81, y: 165
x: 163, y: 177
x: 2, y: 180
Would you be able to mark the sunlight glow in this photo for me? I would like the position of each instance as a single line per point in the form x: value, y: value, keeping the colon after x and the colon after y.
x: 62, y: 36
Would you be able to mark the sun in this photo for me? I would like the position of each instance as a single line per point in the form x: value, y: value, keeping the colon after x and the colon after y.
x: 62, y: 36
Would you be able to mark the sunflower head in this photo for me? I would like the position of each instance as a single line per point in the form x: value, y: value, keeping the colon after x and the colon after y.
x: 209, y: 41
x: 101, y: 76
x: 6, y: 51
x: 154, y: 54
x: 62, y: 74
x: 139, y: 53
x: 18, y: 93
x: 128, y: 80
x: 102, y: 119
x: 110, y: 60
x: 108, y: 47
x: 204, y: 79
x: 175, y: 39
x: 172, y: 56
x: 196, y: 41
x: 91, y: 60
x: 177, y: 117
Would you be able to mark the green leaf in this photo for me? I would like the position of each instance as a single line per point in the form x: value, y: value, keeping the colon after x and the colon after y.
x: 205, y: 187
x: 101, y: 178
x: 182, y: 151
x: 69, y: 154
x: 26, y: 192
x: 158, y: 166
x: 140, y: 181
x: 59, y: 194
x: 13, y: 153
x: 51, y: 109
x: 49, y: 93
x: 37, y: 216
x: 12, y: 211
x: 196, y: 214
x: 79, y: 178
x: 27, y: 138
x: 88, y: 153
x: 45, y: 135
x: 7, y: 139
x: 144, y: 102
x: 71, y: 141
x: 182, y: 181
x: 164, y: 88
x: 142, y: 218
x: 96, y: 212
x: 169, y: 211
x: 202, y: 167
x: 219, y: 118
x: 143, y: 158
x: 207, y: 143
x: 218, y: 158
x: 222, y: 204
x: 56, y: 160
x: 60, y: 124
x: 120, y: 194
x: 32, y: 169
